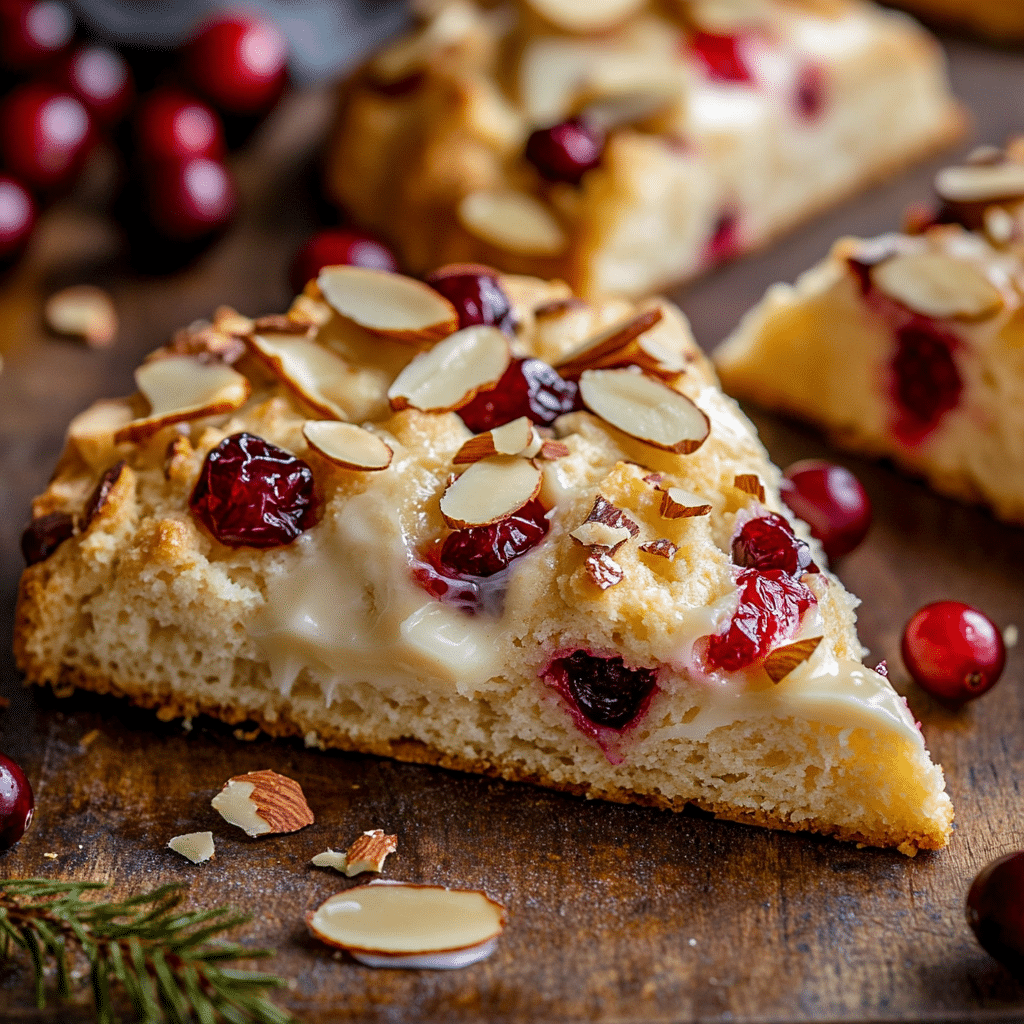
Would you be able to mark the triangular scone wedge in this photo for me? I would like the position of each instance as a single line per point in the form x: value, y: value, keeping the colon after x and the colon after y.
x: 622, y: 653
x: 910, y: 346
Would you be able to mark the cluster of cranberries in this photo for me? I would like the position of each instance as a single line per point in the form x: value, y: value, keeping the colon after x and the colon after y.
x: 64, y: 95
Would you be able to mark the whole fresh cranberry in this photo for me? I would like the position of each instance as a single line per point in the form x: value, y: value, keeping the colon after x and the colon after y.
x: 995, y: 910
x: 339, y: 246
x: 250, y: 493
x: 831, y: 500
x: 17, y: 219
x: 721, y: 56
x: 102, y: 80
x: 475, y: 292
x: 529, y: 387
x: 172, y: 125
x: 16, y: 803
x: 191, y: 199
x: 45, y: 136
x: 32, y: 33
x: 602, y: 689
x: 953, y: 651
x: 486, y: 550
x: 926, y: 383
x: 566, y: 151
x: 768, y: 542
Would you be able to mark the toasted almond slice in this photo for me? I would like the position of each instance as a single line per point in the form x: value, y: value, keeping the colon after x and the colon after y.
x: 101, y: 492
x: 399, y: 924
x: 783, y: 660
x: 93, y: 431
x: 603, y: 570
x: 513, y: 221
x: 749, y: 483
x: 347, y: 445
x: 584, y: 16
x: 450, y: 374
x: 263, y: 802
x: 679, y: 504
x: 646, y: 409
x: 662, y: 547
x: 514, y: 438
x: 553, y: 450
x: 609, y: 347
x: 181, y: 388
x: 230, y: 321
x: 489, y: 491
x: 1000, y: 225
x: 194, y: 846
x: 82, y: 311
x: 937, y: 285
x: 369, y: 851
x: 606, y: 526
x: 313, y: 372
x: 987, y: 183
x: 390, y: 305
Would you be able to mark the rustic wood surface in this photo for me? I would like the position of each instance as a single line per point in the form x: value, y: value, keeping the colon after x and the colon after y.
x: 617, y: 914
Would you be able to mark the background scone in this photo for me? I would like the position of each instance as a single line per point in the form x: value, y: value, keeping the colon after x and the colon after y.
x: 998, y: 19
x: 290, y: 524
x: 625, y: 146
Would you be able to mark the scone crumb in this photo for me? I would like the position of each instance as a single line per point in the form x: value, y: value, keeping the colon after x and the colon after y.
x: 194, y: 846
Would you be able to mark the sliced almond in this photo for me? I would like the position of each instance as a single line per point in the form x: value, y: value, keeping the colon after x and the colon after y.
x: 93, y: 431
x: 318, y: 376
x: 182, y: 388
x: 585, y: 16
x: 399, y: 924
x: 449, y: 375
x: 367, y: 853
x: 513, y: 221
x: 230, y: 321
x: 305, y: 309
x: 662, y: 547
x: 98, y: 499
x: 278, y: 323
x: 194, y: 846
x: 603, y: 570
x: 645, y: 408
x: 989, y: 183
x: 348, y: 445
x: 82, y: 311
x: 610, y: 347
x: 514, y: 438
x: 553, y: 450
x: 937, y: 285
x: 677, y: 503
x: 783, y: 660
x: 489, y: 491
x: 749, y: 483
x: 1000, y: 225
x: 606, y: 526
x: 390, y: 305
x: 263, y: 802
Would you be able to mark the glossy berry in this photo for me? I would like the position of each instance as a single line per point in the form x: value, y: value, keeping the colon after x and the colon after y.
x: 721, y: 56
x: 44, y: 535
x: 768, y: 542
x: 17, y: 219
x: 770, y: 606
x: 339, y: 246
x: 45, y: 136
x: 486, y: 550
x: 252, y: 493
x: 603, y: 690
x: 831, y: 500
x: 995, y: 910
x: 565, y: 151
x: 529, y: 387
x: 101, y: 79
x: 474, y: 291
x: 445, y: 584
x: 724, y: 242
x: 189, y: 200
x: 171, y: 125
x: 925, y: 381
x: 32, y: 33
x: 16, y: 803
x: 953, y: 651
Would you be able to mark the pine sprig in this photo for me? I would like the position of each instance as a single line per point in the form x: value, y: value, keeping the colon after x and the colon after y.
x: 167, y: 961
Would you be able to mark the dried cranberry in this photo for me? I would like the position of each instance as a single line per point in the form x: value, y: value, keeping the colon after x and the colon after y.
x: 768, y: 542
x: 995, y: 910
x: 724, y: 242
x: 474, y: 291
x: 253, y: 493
x: 603, y: 689
x: 339, y: 247
x: 16, y: 803
x: 486, y: 550
x: 565, y: 151
x: 44, y: 535
x: 769, y: 611
x: 722, y: 56
x: 831, y: 500
x: 444, y: 584
x: 529, y: 387
x: 925, y: 381
x: 809, y: 97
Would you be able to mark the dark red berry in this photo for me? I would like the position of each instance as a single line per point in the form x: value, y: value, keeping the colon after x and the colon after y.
x: 722, y: 56
x: 529, y: 387
x: 171, y: 125
x: 17, y: 219
x: 44, y: 535
x: 768, y: 542
x: 32, y: 33
x: 474, y: 291
x: 188, y: 200
x: 565, y: 151
x: 953, y: 651
x: 16, y: 803
x: 925, y: 381
x: 444, y: 584
x: 239, y: 62
x: 486, y: 550
x: 602, y: 689
x: 771, y: 604
x: 809, y: 97
x: 831, y: 500
x: 252, y: 493
x: 45, y: 136
x: 995, y: 910
x: 339, y: 246
x: 724, y: 242
x: 101, y: 79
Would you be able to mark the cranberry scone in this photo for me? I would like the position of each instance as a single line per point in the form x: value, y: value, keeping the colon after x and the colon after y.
x: 482, y: 524
x: 623, y: 145
x: 911, y: 345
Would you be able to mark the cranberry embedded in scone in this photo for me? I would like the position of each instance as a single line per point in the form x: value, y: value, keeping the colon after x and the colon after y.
x: 601, y: 689
x: 529, y: 387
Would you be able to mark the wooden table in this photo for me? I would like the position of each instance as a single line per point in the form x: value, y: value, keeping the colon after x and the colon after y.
x: 617, y: 914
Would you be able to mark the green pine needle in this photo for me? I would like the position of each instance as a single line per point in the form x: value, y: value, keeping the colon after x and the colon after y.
x: 167, y: 962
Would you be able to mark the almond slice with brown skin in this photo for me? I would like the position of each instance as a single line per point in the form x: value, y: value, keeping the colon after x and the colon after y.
x: 517, y: 437
x: 749, y: 483
x: 988, y: 183
x: 586, y: 16
x: 603, y: 570
x: 449, y: 375
x: 783, y: 660
x: 263, y: 802
x: 182, y: 388
x: 400, y: 924
x: 553, y: 450
x: 348, y: 445
x: 513, y: 221
x: 662, y: 547
x: 645, y: 408
x: 93, y: 430
x: 610, y: 347
x: 606, y: 526
x: 936, y: 285
x: 390, y: 305
x: 489, y: 491
x: 367, y: 853
x: 318, y: 376
x: 679, y: 504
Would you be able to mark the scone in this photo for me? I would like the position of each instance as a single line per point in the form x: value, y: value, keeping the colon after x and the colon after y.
x: 583, y: 577
x: 997, y: 19
x: 910, y: 346
x: 624, y: 145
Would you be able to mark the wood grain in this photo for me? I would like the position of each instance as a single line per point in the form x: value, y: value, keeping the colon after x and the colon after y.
x: 617, y: 914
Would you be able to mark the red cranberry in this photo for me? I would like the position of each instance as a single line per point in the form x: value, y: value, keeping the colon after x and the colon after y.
x: 191, y: 199
x: 529, y: 387
x: 953, y: 651
x: 722, y: 57
x: 45, y: 135
x: 769, y: 611
x: 239, y: 62
x: 832, y: 501
x: 603, y: 689
x: 17, y: 219
x: 486, y: 550
x: 171, y: 125
x: 926, y: 383
x: 444, y: 584
x: 16, y: 803
x: 768, y: 542
x: 32, y: 32
x: 44, y: 535
x: 339, y: 246
x: 809, y: 97
x: 566, y: 151
x: 102, y: 80
x: 474, y: 291
x: 252, y: 493
x: 995, y: 910
x: 724, y: 242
